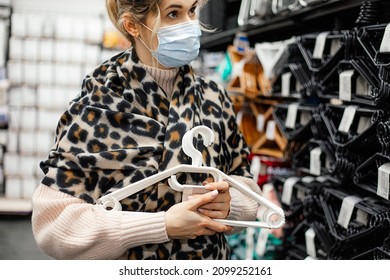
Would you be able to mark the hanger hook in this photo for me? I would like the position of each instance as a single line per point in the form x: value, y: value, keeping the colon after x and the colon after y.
x: 188, y: 144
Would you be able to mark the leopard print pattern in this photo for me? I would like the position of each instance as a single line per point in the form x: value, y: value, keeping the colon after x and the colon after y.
x: 122, y: 127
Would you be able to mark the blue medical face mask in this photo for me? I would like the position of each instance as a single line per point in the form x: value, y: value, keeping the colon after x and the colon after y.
x: 178, y: 44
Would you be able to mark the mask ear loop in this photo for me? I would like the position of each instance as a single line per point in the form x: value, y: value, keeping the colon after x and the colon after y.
x: 142, y: 41
x: 139, y: 37
x: 150, y: 50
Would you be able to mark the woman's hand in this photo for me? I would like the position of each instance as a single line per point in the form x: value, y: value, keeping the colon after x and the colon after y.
x: 219, y: 208
x: 184, y: 221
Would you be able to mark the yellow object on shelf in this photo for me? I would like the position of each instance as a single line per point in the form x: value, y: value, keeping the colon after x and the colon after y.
x: 114, y: 40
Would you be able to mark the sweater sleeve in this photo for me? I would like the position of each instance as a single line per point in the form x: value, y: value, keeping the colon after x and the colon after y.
x: 242, y: 207
x: 66, y: 227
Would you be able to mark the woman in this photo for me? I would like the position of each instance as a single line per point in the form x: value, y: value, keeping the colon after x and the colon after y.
x: 127, y: 124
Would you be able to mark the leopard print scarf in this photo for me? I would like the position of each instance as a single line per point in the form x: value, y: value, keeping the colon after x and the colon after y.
x: 122, y: 127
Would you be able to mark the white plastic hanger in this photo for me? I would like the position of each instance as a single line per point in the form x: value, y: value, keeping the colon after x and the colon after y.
x: 271, y: 215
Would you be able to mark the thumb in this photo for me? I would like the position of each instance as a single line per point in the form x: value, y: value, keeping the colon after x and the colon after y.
x: 202, y: 199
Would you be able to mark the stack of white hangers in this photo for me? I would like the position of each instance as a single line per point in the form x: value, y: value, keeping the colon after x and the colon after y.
x: 270, y: 215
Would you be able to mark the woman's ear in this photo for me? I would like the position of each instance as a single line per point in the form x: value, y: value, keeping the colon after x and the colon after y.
x: 130, y: 26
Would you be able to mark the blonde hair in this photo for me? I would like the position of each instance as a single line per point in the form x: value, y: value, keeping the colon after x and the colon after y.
x: 138, y: 10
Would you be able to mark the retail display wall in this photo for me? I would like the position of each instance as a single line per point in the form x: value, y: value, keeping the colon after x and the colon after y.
x: 314, y: 111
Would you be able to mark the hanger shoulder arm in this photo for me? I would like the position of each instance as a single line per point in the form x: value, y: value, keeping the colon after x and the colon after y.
x: 140, y: 185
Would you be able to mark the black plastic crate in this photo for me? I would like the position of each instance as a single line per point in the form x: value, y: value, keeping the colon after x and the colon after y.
x: 315, y: 158
x: 351, y: 81
x: 353, y: 127
x: 370, y: 38
x: 322, y: 51
x: 294, y: 120
x: 366, y: 174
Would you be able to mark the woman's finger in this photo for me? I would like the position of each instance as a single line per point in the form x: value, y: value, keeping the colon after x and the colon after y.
x: 216, y: 206
x: 221, y: 198
x: 215, y: 226
x: 213, y: 214
x: 220, y: 186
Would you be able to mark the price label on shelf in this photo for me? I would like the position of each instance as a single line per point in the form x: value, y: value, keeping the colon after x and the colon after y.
x: 346, y: 210
x: 319, y: 46
x: 345, y: 85
x: 288, y: 189
x: 310, y: 243
x: 292, y: 113
x: 347, y: 119
x: 315, y: 161
x: 383, y: 181
x: 286, y: 84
